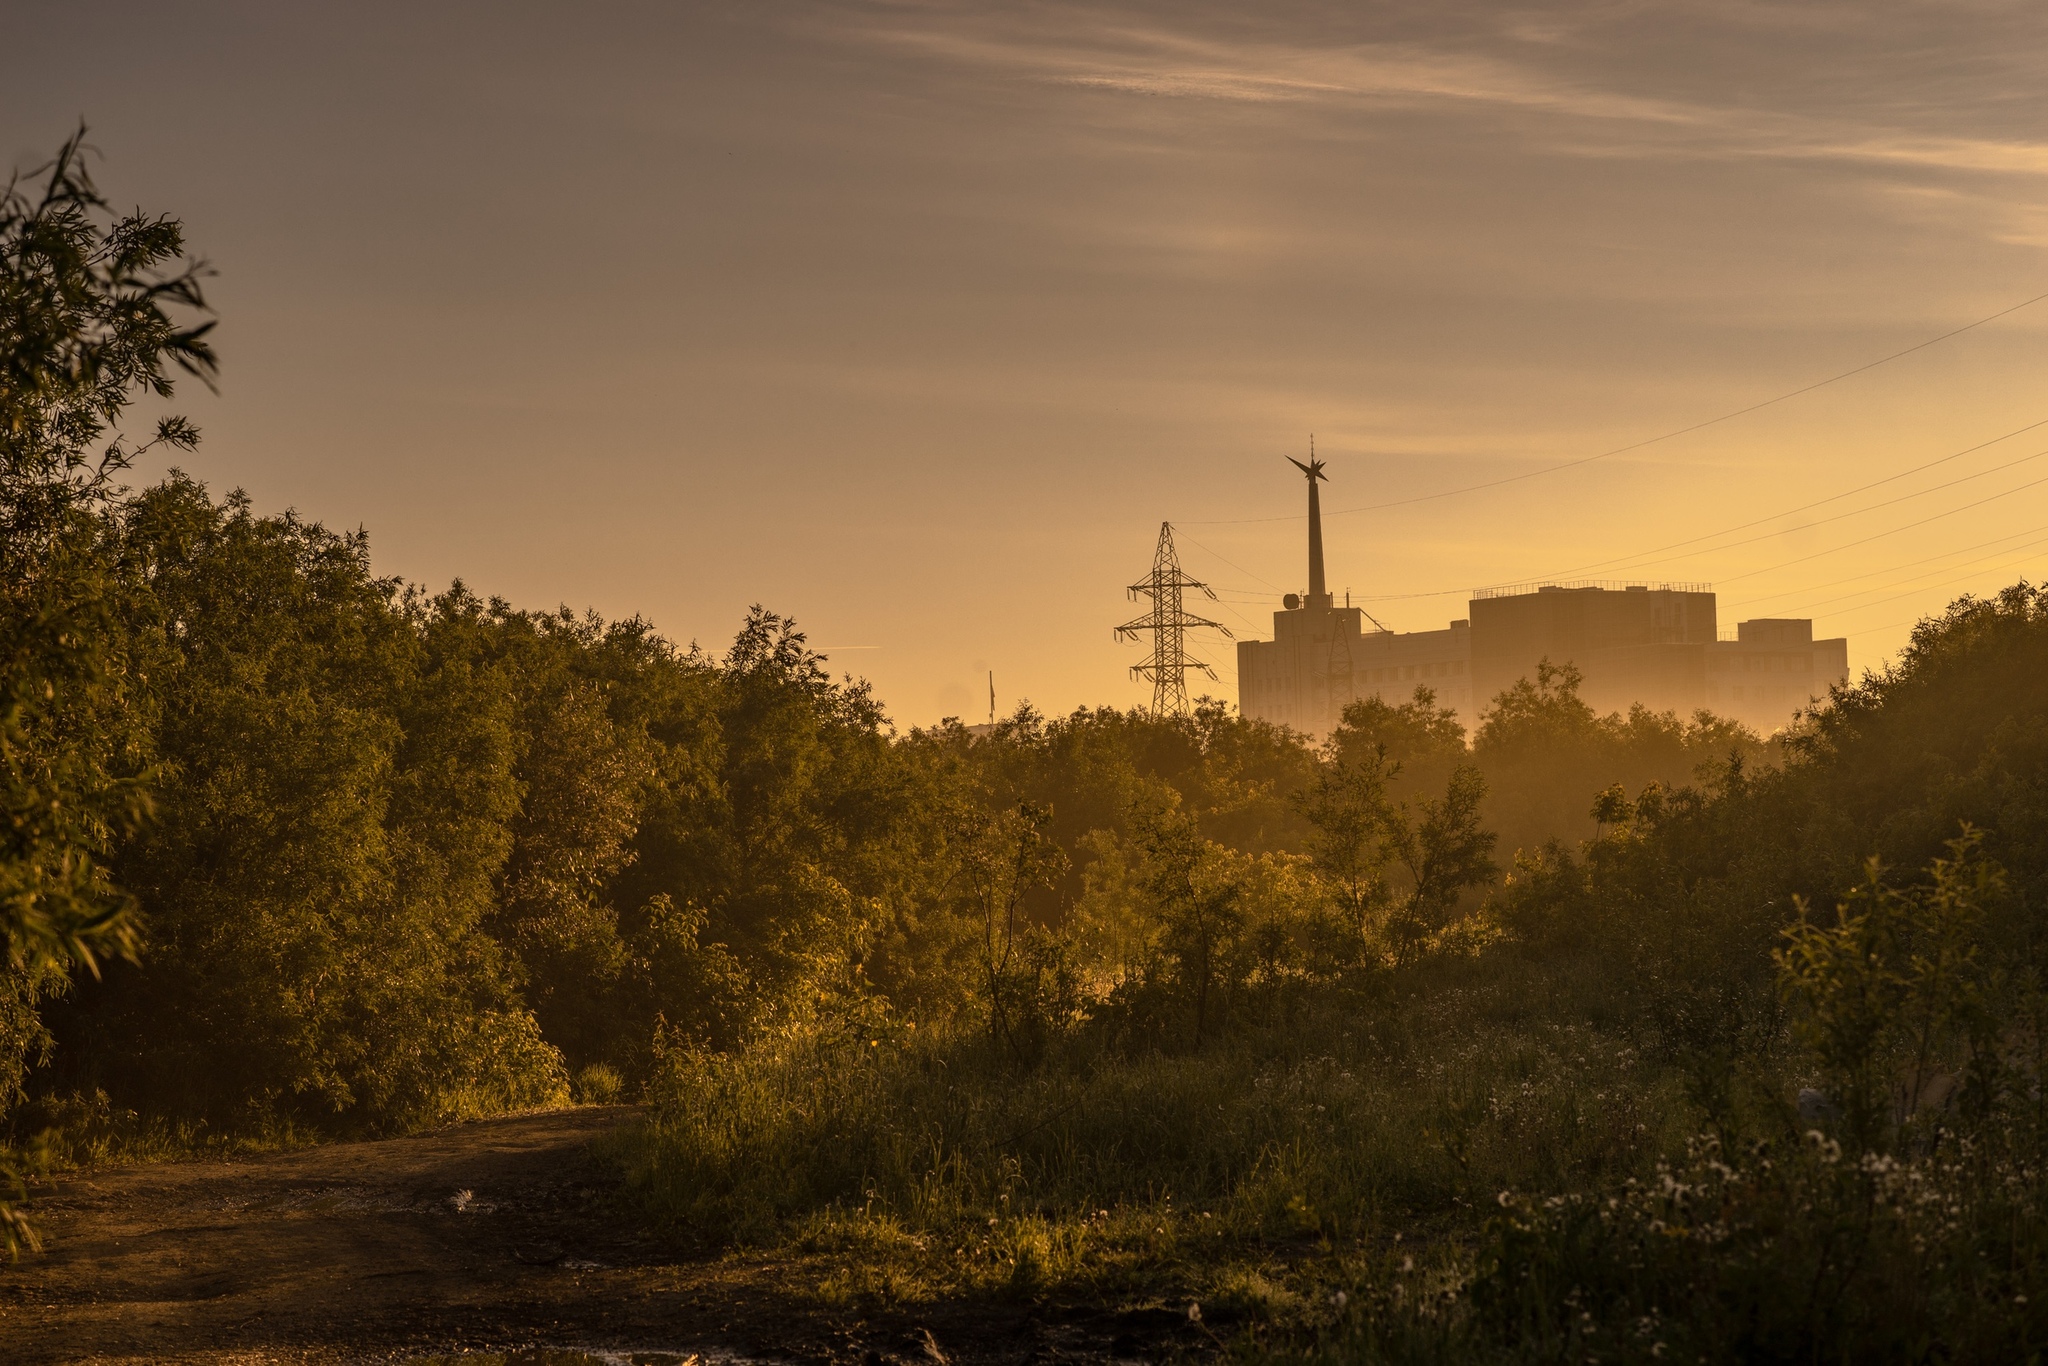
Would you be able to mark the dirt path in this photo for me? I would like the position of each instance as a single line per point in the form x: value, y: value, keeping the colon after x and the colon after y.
x: 503, y: 1234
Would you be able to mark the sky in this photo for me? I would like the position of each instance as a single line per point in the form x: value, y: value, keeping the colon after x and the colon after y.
x: 914, y: 321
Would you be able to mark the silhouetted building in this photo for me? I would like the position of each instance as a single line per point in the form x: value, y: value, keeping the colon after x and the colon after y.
x: 1321, y: 658
x: 1632, y: 643
x: 1319, y: 661
x: 1771, y: 668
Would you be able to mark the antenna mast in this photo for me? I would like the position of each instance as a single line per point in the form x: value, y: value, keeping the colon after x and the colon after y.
x: 1169, y: 662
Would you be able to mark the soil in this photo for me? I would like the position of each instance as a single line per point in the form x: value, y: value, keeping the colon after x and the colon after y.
x: 501, y: 1239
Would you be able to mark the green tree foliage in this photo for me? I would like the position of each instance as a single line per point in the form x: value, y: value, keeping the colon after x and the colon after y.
x: 1898, y: 998
x: 1954, y: 731
x: 334, y: 807
x: 1397, y: 867
x: 1198, y: 908
x: 1026, y: 978
x: 422, y: 857
x: 1420, y: 741
x: 92, y: 313
x: 1352, y: 817
x: 1444, y: 850
x: 88, y: 320
x: 1093, y: 768
x: 1545, y: 753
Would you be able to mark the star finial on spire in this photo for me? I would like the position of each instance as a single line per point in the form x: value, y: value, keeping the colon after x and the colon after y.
x: 1314, y: 468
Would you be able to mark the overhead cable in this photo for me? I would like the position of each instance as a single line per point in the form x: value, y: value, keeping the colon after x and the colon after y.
x: 1734, y: 578
x: 1807, y: 507
x: 1873, y: 573
x: 1853, y: 512
x: 1646, y: 441
x: 1960, y: 578
x: 1971, y: 570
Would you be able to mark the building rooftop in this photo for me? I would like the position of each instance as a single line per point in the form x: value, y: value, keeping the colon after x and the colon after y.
x: 1516, y: 590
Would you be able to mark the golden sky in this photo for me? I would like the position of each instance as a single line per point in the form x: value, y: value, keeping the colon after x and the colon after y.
x: 915, y: 320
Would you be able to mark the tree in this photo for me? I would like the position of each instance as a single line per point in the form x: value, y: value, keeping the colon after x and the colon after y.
x: 1955, y: 730
x: 86, y: 322
x: 1352, y: 815
x: 1027, y: 984
x: 334, y: 815
x: 582, y: 777
x: 1361, y: 834
x: 1423, y: 741
x: 1198, y: 910
x: 1894, y: 997
x: 1441, y: 844
x: 1545, y: 753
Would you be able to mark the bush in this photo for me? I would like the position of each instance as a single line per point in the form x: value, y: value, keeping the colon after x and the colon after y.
x: 1343, y: 1122
x: 1790, y: 1252
x: 598, y: 1084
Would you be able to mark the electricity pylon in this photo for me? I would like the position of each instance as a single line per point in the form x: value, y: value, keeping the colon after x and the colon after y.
x: 1169, y: 662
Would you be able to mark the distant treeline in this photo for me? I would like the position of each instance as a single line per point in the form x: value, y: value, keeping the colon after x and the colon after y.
x: 295, y: 845
x: 411, y: 857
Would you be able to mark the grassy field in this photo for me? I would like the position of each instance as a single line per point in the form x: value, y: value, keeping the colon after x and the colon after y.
x: 1258, y: 1176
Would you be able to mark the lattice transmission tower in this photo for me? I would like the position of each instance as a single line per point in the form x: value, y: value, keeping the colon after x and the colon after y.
x: 1168, y: 664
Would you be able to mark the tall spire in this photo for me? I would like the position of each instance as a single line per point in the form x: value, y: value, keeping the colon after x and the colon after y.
x: 1317, y: 596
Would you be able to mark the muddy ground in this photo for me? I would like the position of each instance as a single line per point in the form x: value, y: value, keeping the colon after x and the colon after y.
x: 494, y: 1237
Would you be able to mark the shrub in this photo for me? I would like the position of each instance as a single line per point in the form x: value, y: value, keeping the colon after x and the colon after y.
x: 598, y: 1084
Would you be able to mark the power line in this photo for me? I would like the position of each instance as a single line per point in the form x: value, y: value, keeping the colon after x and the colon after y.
x: 1805, y: 507
x: 1246, y: 621
x: 1234, y: 565
x: 1652, y: 440
x: 1732, y: 578
x: 1224, y: 602
x: 1971, y: 569
x: 1853, y: 512
x: 1928, y: 588
x: 1873, y: 573
x: 1888, y: 569
x: 1894, y: 625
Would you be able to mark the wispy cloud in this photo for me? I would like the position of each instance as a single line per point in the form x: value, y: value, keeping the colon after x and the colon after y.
x: 1092, y: 52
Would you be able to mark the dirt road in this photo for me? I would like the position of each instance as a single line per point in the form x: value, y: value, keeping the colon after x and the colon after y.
x: 496, y: 1236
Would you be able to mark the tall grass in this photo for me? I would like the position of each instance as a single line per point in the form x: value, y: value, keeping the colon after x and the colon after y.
x: 1786, y: 1251
x: 1503, y: 1157
x: 1334, y: 1125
